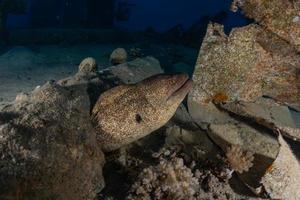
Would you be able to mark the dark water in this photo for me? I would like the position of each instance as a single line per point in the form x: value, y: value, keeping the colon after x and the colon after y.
x: 131, y: 15
x: 51, y: 37
x: 57, y: 22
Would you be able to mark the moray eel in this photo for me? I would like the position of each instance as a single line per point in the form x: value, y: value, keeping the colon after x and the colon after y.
x: 127, y: 113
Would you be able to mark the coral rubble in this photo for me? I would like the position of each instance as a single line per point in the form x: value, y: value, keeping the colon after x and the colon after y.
x: 238, y: 159
x: 168, y: 180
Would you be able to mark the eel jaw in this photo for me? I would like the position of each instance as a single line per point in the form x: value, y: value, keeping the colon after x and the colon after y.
x: 181, y: 88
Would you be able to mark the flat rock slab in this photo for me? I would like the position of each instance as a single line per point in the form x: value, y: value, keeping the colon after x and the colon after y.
x: 136, y: 70
x: 268, y: 113
x: 246, y: 136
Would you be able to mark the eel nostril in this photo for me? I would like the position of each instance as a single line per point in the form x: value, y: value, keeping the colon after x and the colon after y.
x: 138, y: 118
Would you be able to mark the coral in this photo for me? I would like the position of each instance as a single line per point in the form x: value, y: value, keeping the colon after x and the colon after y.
x: 118, y: 56
x: 239, y: 160
x: 88, y: 65
x: 193, y: 180
x: 168, y: 180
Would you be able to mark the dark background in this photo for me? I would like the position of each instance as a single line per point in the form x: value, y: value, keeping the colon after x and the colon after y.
x: 160, y: 15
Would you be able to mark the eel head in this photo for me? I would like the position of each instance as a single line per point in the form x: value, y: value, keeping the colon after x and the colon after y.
x: 127, y: 113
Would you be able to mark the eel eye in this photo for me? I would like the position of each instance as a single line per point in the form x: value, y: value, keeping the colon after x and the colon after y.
x: 138, y: 118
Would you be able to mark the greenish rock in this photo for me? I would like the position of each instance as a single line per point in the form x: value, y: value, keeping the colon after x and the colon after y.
x: 136, y: 70
x: 268, y: 113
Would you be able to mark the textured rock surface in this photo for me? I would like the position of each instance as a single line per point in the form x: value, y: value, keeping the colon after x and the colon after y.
x: 231, y: 76
x: 48, y: 146
x: 279, y: 16
x: 118, y: 56
x: 247, y: 64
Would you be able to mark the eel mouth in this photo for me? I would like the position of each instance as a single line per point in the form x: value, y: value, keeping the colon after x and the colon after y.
x: 181, y: 88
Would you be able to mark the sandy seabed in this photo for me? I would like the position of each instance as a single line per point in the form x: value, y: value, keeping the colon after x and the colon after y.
x: 22, y: 68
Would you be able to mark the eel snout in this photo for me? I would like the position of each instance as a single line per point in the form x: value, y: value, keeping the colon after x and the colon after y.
x: 183, y: 84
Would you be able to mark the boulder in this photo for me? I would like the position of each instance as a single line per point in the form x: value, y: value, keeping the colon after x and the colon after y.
x: 48, y: 146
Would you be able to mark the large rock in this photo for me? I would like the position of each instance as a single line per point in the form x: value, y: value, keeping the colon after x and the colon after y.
x: 48, y: 146
x: 247, y: 64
